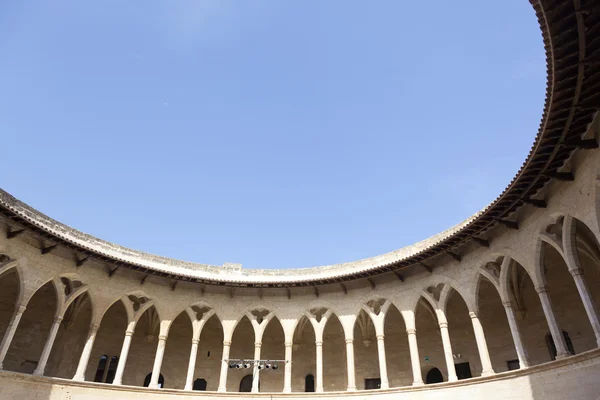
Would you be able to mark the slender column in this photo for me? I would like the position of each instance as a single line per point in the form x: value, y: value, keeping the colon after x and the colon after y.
x: 189, y: 381
x: 557, y: 336
x: 10, y: 332
x: 319, y: 377
x: 224, y: 367
x: 123, y: 357
x: 287, y: 377
x: 86, y: 353
x: 588, y: 303
x: 448, y: 352
x: 350, y: 364
x: 516, y: 335
x: 160, y: 352
x: 415, y: 361
x: 482, y: 348
x: 385, y: 384
x: 256, y: 371
x: 48, y: 347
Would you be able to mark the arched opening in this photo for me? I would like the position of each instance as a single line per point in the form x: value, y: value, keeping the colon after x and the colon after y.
x: 335, y: 377
x: 242, y: 347
x: 32, y: 333
x: 566, y: 301
x: 462, y: 337
x: 430, y: 345
x: 210, y: 352
x: 495, y: 324
x: 109, y: 341
x: 143, y: 348
x: 148, y: 378
x: 434, y: 376
x: 366, y: 360
x: 246, y: 384
x: 99, y: 377
x: 273, y: 348
x: 309, y: 383
x: 528, y: 313
x: 199, y: 384
x: 177, y: 351
x: 70, y: 338
x: 396, y: 349
x: 303, y: 355
x: 9, y: 295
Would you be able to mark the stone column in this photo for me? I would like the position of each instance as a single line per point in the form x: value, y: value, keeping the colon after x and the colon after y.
x: 516, y: 335
x: 482, y: 348
x: 319, y: 377
x: 123, y: 357
x: 287, y: 377
x: 10, y: 332
x: 160, y: 352
x: 189, y: 381
x: 255, y: 370
x: 224, y: 367
x: 86, y: 353
x: 385, y: 384
x: 588, y: 303
x: 448, y: 352
x: 415, y: 361
x: 48, y: 347
x: 350, y: 365
x: 555, y: 331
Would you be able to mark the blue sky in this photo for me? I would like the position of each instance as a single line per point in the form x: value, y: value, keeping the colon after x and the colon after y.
x: 275, y: 134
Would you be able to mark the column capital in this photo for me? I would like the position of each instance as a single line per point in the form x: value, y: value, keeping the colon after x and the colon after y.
x: 257, y: 345
x: 94, y: 327
x: 129, y: 332
x: 349, y: 341
x: 288, y: 344
x: 443, y: 325
x: 162, y: 338
x: 380, y: 337
x: 226, y: 343
x: 507, y: 304
x: 541, y: 289
x: 21, y: 309
x: 58, y: 320
x: 473, y: 315
x: 195, y: 341
x: 576, y: 272
x: 411, y: 331
x: 318, y: 343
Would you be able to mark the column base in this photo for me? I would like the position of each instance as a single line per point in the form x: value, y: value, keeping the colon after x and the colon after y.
x: 117, y: 382
x: 221, y: 389
x: 187, y: 388
x: 41, y: 373
x: 385, y: 386
x: 488, y: 373
x: 452, y: 379
x: 418, y: 383
x: 153, y: 386
x: 79, y: 378
x: 561, y: 356
x: 351, y: 389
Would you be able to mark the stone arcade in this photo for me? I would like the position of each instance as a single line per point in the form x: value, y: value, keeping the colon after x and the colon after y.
x: 503, y: 305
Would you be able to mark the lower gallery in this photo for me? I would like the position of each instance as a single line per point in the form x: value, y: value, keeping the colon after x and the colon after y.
x: 503, y: 305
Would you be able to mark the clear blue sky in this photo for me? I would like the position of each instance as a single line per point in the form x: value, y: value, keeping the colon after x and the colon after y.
x: 275, y: 134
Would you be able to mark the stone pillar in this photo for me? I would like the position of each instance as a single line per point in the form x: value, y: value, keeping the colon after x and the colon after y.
x: 48, y: 347
x: 482, y: 348
x: 86, y: 353
x: 350, y: 364
x: 123, y: 357
x: 256, y: 371
x: 287, y: 377
x: 415, y: 361
x: 385, y: 384
x: 555, y: 331
x: 224, y: 367
x: 189, y: 381
x: 588, y: 303
x: 516, y: 335
x: 448, y: 352
x: 10, y: 332
x: 160, y: 352
x: 319, y: 377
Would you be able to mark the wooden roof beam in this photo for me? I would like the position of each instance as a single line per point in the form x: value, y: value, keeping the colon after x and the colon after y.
x: 585, y: 144
x: 48, y: 249
x: 561, y: 176
x: 14, y: 233
x: 80, y: 261
x: 481, y: 242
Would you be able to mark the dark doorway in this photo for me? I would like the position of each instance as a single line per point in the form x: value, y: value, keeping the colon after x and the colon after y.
x: 112, y: 369
x: 309, y: 383
x: 434, y: 376
x: 463, y: 370
x: 161, y: 380
x: 101, y: 368
x: 552, y: 346
x: 199, y: 384
x: 246, y: 384
x: 372, y: 383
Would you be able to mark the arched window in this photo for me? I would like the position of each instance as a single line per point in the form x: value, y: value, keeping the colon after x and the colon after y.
x: 246, y: 384
x: 434, y: 376
x: 309, y: 383
x: 112, y: 369
x: 99, y: 377
x: 161, y: 380
x: 199, y: 384
x: 552, y: 346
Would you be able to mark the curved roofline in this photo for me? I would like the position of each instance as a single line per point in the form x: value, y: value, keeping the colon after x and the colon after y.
x: 571, y: 85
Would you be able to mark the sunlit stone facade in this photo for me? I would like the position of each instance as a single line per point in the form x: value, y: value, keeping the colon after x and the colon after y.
x: 511, y: 312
